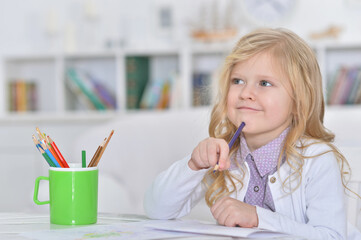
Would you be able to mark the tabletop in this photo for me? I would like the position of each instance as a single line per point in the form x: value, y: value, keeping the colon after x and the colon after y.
x: 37, y: 226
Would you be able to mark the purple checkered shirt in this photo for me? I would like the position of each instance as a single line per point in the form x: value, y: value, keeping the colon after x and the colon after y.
x: 262, y: 163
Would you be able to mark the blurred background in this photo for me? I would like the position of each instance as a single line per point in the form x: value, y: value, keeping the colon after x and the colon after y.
x: 40, y: 26
x: 72, y: 67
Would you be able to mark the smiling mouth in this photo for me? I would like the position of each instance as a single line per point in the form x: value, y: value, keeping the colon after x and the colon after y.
x: 248, y: 109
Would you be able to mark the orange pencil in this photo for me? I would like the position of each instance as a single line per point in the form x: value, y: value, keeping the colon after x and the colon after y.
x: 55, y: 156
x: 58, y: 153
x: 48, y: 145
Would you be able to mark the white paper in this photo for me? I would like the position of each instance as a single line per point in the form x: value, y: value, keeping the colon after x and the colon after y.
x: 191, y: 226
x: 129, y: 231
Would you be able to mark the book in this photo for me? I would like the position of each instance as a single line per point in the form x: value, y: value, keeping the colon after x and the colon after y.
x: 22, y: 95
x: 164, y: 97
x: 31, y: 96
x: 77, y: 80
x: 336, y: 85
x: 11, y: 97
x: 21, y: 104
x: 347, y: 84
x: 201, y: 89
x: 176, y: 92
x: 357, y: 99
x: 77, y: 98
x: 137, y: 77
x: 357, y: 84
x: 151, y: 94
x: 105, y: 95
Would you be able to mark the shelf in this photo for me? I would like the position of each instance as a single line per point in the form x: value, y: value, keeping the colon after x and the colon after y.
x: 89, y: 116
x: 184, y: 62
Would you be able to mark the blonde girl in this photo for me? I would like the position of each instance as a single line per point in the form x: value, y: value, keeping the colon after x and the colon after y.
x: 283, y: 173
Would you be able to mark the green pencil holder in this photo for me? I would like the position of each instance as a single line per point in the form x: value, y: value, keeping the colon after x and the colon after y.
x: 73, y: 195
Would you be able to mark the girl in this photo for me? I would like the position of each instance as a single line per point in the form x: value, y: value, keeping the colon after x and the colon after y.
x: 283, y: 173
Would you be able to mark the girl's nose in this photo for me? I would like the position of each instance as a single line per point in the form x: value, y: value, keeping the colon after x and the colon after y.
x: 247, y: 92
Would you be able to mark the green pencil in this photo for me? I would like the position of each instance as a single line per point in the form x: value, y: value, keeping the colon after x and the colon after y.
x: 83, y: 159
x: 38, y: 146
x: 47, y: 158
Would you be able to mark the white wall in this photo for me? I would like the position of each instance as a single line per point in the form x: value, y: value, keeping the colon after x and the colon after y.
x: 41, y: 25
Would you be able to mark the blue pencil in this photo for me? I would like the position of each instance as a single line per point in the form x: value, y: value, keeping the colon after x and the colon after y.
x: 230, y: 144
x: 41, y: 150
x: 52, y: 158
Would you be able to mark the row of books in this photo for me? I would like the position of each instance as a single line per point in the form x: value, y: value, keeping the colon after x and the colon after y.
x: 146, y: 93
x: 22, y: 95
x: 202, y: 94
x: 89, y: 91
x: 345, y: 86
x: 137, y: 78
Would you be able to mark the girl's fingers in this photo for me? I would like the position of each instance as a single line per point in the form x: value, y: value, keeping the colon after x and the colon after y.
x: 209, y: 152
x: 217, y: 208
x: 212, y: 153
x: 223, y: 160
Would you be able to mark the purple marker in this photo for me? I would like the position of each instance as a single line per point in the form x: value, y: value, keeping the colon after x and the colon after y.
x: 230, y: 144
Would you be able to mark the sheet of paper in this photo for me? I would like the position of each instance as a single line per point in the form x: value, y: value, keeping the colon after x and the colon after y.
x: 212, y: 229
x: 129, y: 231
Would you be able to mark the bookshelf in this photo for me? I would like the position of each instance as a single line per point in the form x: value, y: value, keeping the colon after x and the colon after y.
x: 184, y: 68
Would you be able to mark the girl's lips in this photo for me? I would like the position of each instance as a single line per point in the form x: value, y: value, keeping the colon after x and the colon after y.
x: 248, y: 109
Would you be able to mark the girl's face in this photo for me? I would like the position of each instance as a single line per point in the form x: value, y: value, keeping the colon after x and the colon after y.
x: 258, y: 97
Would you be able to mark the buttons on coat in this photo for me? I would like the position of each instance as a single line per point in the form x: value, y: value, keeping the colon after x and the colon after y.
x: 272, y: 180
x: 256, y: 188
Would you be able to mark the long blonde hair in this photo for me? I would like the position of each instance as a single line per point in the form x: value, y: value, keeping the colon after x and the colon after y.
x: 298, y: 61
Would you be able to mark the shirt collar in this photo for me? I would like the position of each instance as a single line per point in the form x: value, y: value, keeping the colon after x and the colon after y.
x: 265, y: 157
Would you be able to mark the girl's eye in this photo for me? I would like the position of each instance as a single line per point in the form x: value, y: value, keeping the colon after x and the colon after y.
x: 265, y: 83
x: 237, y: 81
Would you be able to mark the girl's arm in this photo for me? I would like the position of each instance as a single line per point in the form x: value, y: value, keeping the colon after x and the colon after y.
x: 175, y: 191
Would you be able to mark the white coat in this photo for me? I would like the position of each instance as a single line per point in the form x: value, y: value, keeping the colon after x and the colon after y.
x: 315, y: 210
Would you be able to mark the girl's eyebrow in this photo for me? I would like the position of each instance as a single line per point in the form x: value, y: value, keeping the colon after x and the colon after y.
x: 235, y: 74
x: 260, y: 76
x: 267, y: 77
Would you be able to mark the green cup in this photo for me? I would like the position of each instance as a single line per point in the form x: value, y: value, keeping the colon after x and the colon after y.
x: 73, y: 195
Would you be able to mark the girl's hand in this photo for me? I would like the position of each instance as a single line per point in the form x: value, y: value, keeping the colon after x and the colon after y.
x: 208, y: 153
x: 232, y: 212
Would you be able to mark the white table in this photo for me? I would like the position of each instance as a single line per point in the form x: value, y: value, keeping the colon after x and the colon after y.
x: 13, y: 225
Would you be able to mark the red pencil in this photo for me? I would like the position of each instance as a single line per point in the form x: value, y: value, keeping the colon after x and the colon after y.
x: 57, y: 158
x: 52, y: 143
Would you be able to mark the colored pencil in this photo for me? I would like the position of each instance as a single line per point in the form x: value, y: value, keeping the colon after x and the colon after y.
x: 230, y: 144
x: 83, y: 159
x: 47, y: 158
x: 36, y: 141
x: 97, y: 152
x: 38, y: 146
x: 53, y: 152
x: 41, y: 136
x: 56, y: 149
x: 43, y: 144
x: 103, y: 149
